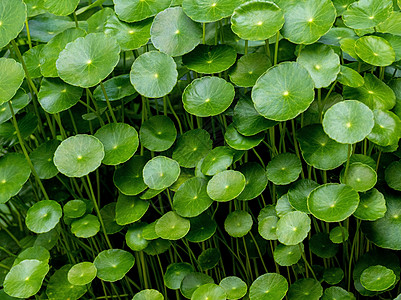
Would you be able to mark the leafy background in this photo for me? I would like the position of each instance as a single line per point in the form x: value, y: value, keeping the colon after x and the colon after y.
x: 201, y: 149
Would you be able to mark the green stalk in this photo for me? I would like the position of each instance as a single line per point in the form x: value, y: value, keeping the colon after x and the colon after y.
x: 108, y: 103
x: 276, y: 48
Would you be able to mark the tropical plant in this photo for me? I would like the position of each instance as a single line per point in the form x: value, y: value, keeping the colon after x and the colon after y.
x: 200, y: 149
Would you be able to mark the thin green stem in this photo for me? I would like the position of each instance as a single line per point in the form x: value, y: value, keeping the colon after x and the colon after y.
x: 108, y: 103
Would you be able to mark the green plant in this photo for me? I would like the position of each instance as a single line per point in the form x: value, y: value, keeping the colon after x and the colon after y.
x: 200, y: 149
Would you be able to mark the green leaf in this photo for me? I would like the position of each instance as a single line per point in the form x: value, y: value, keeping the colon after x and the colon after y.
x: 268, y: 286
x: 113, y: 264
x: 191, y: 198
x: 43, y: 216
x: 387, y: 128
x: 154, y: 74
x: 130, y: 209
x: 202, y: 228
x: 336, y: 292
x: 82, y: 273
x: 171, y: 226
x: 42, y: 159
x: 255, y: 180
x: 238, y: 223
x: 137, y: 10
x: 160, y: 172
x: 60, y: 7
x: 364, y: 14
x: 239, y: 142
x: 299, y: 192
x: 158, y: 133
x: 377, y: 278
x: 148, y: 294
x: 59, y: 287
x: 392, y: 175
x: 56, y: 96
x: 86, y: 226
x: 88, y: 60
x: 175, y: 273
x: 135, y: 237
x: 267, y: 228
x: 128, y: 178
x: 79, y: 155
x: 234, y: 286
x: 375, y: 51
x: 283, y: 91
x: 205, y: 11
x: 333, y: 202
x: 12, y: 18
x: 116, y: 88
x: 257, y: 20
x: 348, y: 122
x: 173, y: 33
x: 208, y: 96
x: 322, y: 63
x: 360, y: 177
x: 350, y: 77
x: 209, y: 258
x: 25, y: 279
x: 74, y: 209
x: 305, y: 289
x: 11, y: 80
x: 210, y: 59
x: 284, y: 169
x: 217, y: 160
x: 14, y: 172
x: 32, y: 61
x: 209, y: 291
x: 120, y: 142
x: 293, y: 227
x: 333, y: 275
x: 306, y: 21
x: 226, y: 185
x: 287, y: 255
x: 35, y: 252
x: 321, y: 245
x: 192, y: 281
x: 18, y: 102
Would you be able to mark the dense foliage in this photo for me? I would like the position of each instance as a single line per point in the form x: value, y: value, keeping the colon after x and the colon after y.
x: 200, y: 149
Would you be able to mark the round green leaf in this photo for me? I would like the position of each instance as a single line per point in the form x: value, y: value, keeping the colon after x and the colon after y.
x: 173, y: 33
x: 249, y: 68
x: 205, y: 11
x: 320, y: 151
x: 267, y: 228
x: 12, y: 19
x: 18, y: 102
x: 286, y: 255
x: 42, y: 159
x: 333, y: 275
x: 336, y: 292
x: 374, y: 93
x: 299, y: 192
x: 11, y: 80
x: 175, y: 273
x: 348, y: 122
x: 208, y: 96
x: 377, y: 278
x: 392, y: 175
x: 293, y: 227
x: 35, y: 252
x: 60, y: 7
x: 217, y: 160
x: 322, y: 63
x: 56, y: 96
x: 360, y: 177
x: 387, y: 128
x: 192, y: 281
x: 375, y: 51
x: 321, y: 245
x: 14, y: 172
x: 129, y: 177
x: 202, y: 228
x: 148, y: 294
x: 209, y: 291
x: 191, y: 198
x: 333, y: 202
x: 43, y: 216
x: 247, y: 120
x: 384, y: 231
x: 336, y: 34
x: 116, y: 88
x: 135, y: 238
x: 32, y: 61
x: 269, y: 286
x: 88, y: 60
x: 238, y: 223
x: 120, y: 142
x: 82, y: 273
x: 306, y: 21
x: 210, y: 59
x: 257, y: 20
x: 113, y: 264
x: 191, y: 147
x: 171, y: 226
x: 128, y: 36
x: 25, y: 279
x: 79, y: 155
x: 160, y: 172
x: 158, y: 133
x: 137, y: 10
x: 350, y: 77
x: 305, y: 289
x: 284, y: 169
x: 234, y: 287
x: 239, y: 142
x: 255, y: 180
x: 51, y: 50
x: 74, y: 209
x: 209, y: 258
x: 226, y: 185
x: 283, y: 206
x: 338, y: 235
x: 283, y: 91
x: 130, y: 209
x: 154, y: 74
x: 367, y: 13
x: 86, y: 226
